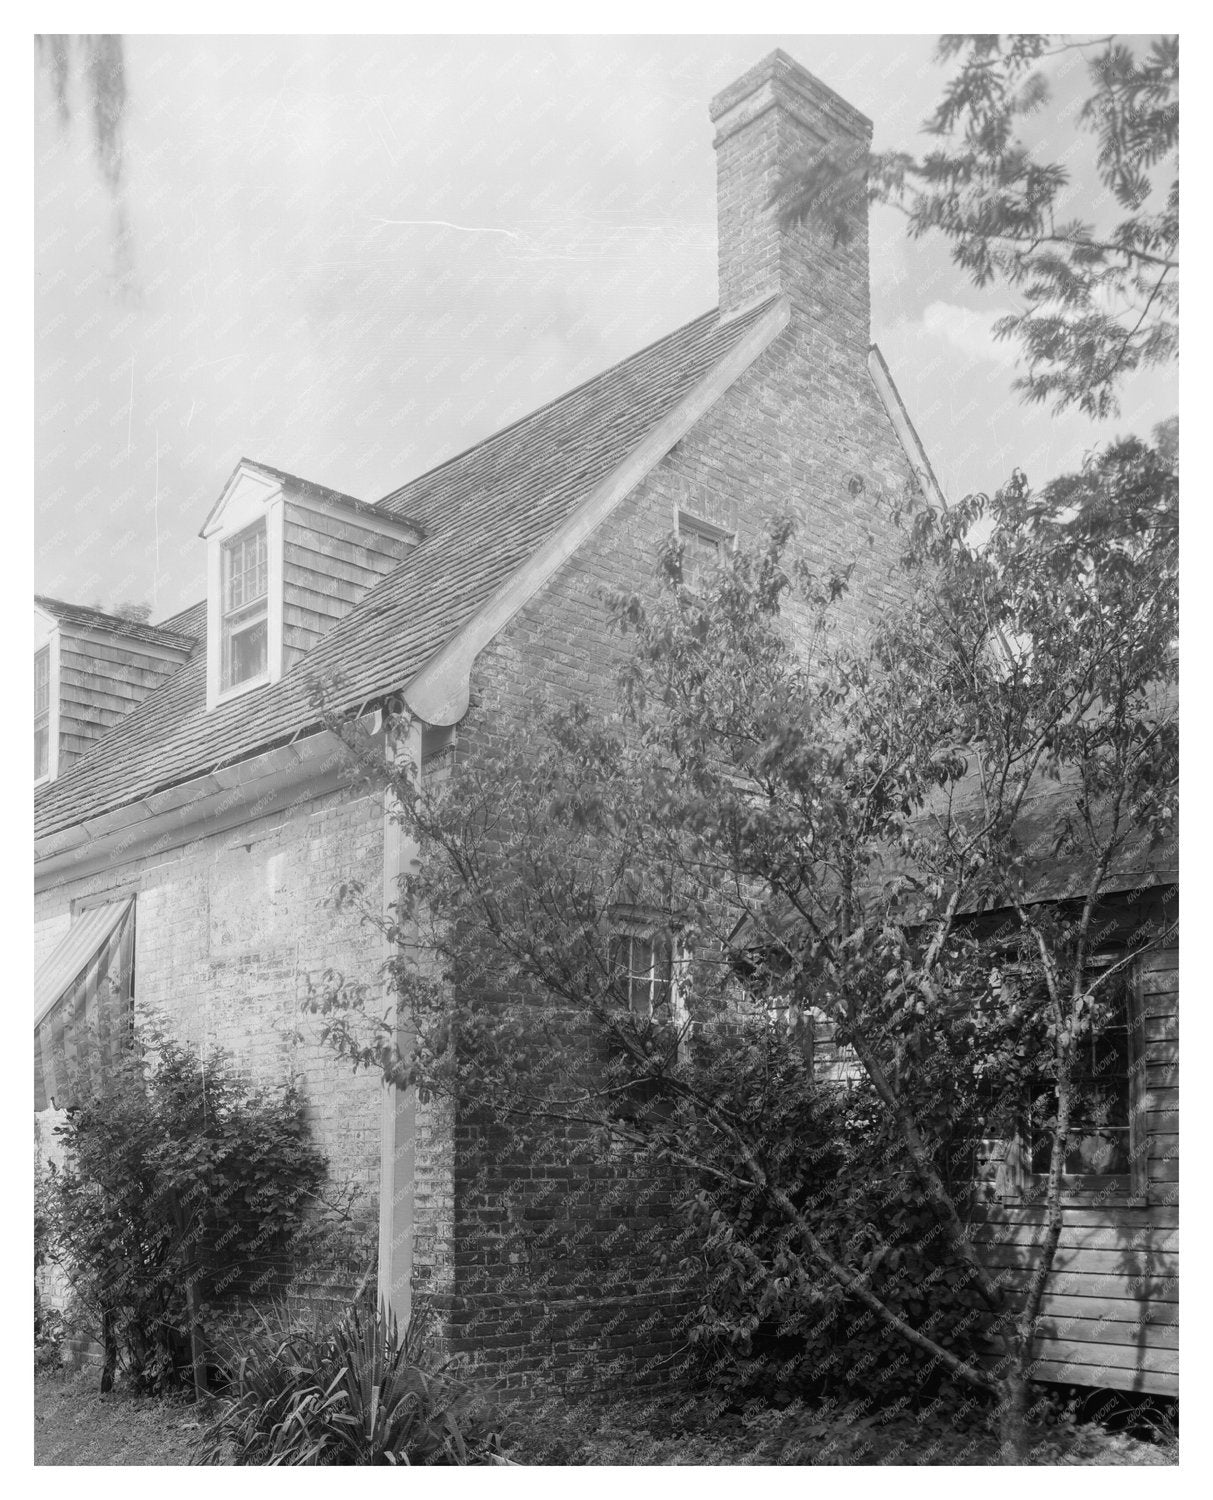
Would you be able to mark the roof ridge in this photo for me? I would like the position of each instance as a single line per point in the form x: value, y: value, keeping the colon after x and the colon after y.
x: 563, y: 396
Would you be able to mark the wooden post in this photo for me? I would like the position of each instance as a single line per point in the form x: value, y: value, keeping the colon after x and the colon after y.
x: 398, y: 1116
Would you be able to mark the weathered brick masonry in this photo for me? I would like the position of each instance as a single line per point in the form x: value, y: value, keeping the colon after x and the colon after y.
x: 228, y: 929
x: 557, y: 1261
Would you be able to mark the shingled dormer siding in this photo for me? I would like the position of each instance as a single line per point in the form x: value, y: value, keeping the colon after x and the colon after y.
x: 329, y: 562
x: 101, y: 678
x: 101, y: 667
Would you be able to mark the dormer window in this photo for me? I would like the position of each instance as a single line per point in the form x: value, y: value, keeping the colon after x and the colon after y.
x: 42, y: 713
x: 245, y: 607
x: 285, y: 561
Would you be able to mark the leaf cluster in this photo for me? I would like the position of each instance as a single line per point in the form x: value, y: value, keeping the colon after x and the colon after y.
x: 177, y: 1174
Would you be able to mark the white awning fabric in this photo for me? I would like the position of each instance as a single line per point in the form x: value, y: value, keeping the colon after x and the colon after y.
x: 82, y: 994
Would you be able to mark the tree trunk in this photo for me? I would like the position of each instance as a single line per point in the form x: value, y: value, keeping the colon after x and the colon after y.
x: 1013, y: 1416
x: 110, y: 1345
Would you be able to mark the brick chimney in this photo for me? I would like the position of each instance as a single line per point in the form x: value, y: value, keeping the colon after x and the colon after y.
x: 775, y: 112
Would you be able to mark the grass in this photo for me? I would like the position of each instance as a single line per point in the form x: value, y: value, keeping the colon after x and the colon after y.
x: 693, y: 1430
x: 75, y: 1424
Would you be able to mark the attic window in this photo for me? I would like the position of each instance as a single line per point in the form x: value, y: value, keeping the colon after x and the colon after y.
x: 245, y: 607
x: 703, y: 547
x: 42, y: 712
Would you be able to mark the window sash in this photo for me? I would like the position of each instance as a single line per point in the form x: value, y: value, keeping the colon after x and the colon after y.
x: 1104, y: 1150
x: 245, y: 625
x: 245, y: 649
x: 702, y: 548
x: 42, y: 712
x: 245, y: 569
x: 42, y: 683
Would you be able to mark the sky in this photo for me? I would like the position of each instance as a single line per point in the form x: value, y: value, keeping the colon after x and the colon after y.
x: 353, y: 257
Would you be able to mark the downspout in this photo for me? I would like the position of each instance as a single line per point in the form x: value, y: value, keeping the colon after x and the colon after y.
x: 398, y: 1115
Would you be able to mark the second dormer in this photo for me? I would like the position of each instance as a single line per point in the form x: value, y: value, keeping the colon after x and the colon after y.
x: 286, y: 559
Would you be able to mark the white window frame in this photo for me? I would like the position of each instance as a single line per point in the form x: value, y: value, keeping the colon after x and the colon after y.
x: 238, y: 618
x: 46, y: 636
x: 644, y: 981
x: 251, y: 501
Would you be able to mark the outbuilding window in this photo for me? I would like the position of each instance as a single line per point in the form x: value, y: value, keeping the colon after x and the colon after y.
x: 1104, y: 1151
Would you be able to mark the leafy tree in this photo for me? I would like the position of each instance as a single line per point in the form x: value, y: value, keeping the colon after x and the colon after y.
x: 805, y: 823
x: 180, y: 1183
x: 1099, y: 293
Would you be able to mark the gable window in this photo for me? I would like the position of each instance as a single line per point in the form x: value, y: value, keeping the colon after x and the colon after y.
x: 703, y: 548
x: 42, y: 712
x: 245, y: 635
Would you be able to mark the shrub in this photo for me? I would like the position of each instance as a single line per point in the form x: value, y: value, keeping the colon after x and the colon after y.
x: 182, y: 1184
x: 773, y: 1326
x: 352, y: 1393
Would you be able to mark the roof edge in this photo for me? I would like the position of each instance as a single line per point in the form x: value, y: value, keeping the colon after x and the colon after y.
x: 911, y: 444
x: 490, y: 437
x: 440, y: 692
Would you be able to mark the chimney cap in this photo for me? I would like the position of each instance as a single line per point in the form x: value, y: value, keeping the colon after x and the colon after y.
x: 792, y: 86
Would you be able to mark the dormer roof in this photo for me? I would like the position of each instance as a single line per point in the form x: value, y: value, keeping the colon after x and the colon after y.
x: 81, y: 617
x: 250, y: 476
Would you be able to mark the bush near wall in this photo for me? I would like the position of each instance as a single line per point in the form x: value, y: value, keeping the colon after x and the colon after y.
x: 183, y: 1186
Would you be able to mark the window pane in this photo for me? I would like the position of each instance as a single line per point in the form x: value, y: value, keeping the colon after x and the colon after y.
x: 700, y: 552
x: 247, y: 652
x: 42, y: 681
x: 246, y: 570
x: 1099, y: 1141
x: 42, y: 745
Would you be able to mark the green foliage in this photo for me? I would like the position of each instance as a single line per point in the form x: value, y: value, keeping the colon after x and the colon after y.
x: 178, y: 1176
x: 355, y: 1392
x: 774, y: 1323
x: 1098, y: 297
x: 809, y: 823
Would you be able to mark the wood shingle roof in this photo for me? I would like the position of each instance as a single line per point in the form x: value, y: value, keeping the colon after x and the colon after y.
x: 484, y: 513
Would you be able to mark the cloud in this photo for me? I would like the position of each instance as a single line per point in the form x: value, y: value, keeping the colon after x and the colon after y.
x: 968, y: 332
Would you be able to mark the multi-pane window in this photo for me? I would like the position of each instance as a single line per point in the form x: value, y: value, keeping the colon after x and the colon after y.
x: 1103, y: 1149
x: 42, y: 711
x: 1099, y: 1146
x: 245, y: 614
x: 703, y: 546
x: 642, y: 971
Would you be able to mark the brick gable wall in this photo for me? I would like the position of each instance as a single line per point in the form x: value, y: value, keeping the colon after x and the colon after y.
x: 565, y: 1268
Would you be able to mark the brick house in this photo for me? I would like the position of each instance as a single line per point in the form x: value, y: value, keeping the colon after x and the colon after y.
x: 193, y: 815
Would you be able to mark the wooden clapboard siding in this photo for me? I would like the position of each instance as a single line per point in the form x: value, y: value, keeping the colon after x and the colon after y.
x: 1110, y: 1314
x: 1104, y: 1237
x: 1143, y: 1381
x: 102, y: 676
x: 329, y: 563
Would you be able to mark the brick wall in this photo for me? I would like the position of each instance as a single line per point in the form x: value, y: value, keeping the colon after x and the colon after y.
x: 558, y: 1258
x: 228, y: 929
